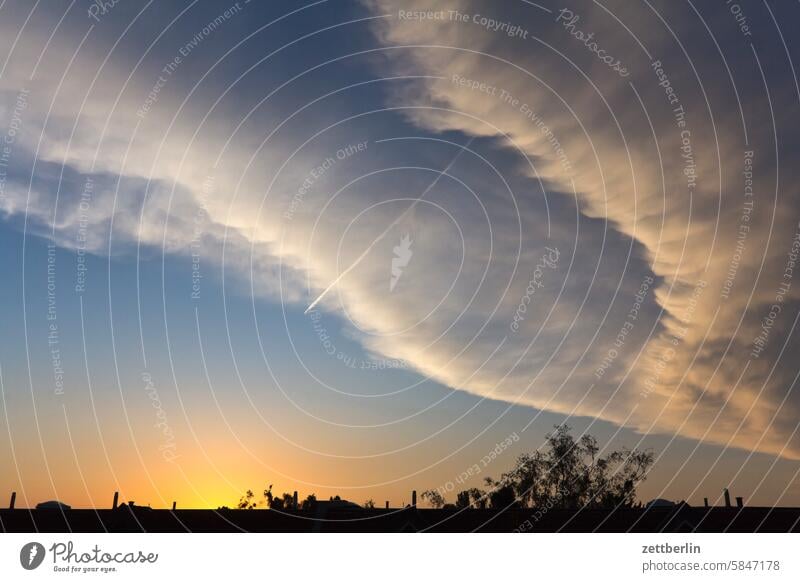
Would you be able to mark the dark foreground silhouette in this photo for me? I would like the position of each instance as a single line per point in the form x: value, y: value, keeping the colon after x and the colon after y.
x: 679, y: 518
x: 567, y: 486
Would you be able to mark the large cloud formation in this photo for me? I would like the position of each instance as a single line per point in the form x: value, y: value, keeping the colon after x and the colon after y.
x: 681, y: 153
x: 598, y: 218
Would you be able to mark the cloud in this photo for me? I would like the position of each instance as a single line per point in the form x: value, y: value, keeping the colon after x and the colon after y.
x: 573, y: 258
x: 661, y: 155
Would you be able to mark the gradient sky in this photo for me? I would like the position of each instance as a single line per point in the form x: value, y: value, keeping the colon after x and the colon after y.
x: 180, y: 181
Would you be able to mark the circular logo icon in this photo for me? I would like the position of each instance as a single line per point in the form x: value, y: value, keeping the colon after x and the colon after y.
x: 31, y: 555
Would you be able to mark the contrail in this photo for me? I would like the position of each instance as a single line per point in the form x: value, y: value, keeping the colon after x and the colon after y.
x: 388, y: 228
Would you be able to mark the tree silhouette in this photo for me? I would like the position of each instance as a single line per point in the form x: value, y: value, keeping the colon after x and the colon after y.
x: 569, y: 474
x: 566, y: 474
x: 268, y: 496
x: 285, y: 501
x: 309, y: 503
x: 434, y: 498
x: 478, y: 497
x: 475, y: 498
x: 463, y: 500
x: 501, y: 494
x: 246, y: 501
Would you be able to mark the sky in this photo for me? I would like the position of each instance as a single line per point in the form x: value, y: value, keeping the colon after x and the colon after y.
x: 349, y: 247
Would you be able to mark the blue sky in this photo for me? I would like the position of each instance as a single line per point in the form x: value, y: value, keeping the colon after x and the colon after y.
x: 216, y: 151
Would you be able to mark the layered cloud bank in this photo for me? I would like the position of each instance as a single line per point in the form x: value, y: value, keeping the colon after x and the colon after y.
x: 675, y: 150
x: 588, y: 209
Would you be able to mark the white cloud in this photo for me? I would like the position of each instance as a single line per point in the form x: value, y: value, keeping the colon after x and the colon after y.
x: 475, y: 252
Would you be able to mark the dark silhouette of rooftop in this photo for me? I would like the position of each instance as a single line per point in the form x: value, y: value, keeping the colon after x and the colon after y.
x: 327, y: 518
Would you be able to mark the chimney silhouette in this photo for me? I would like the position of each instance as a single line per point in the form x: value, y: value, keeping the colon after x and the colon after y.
x: 174, y: 504
x: 387, y: 505
x: 705, y: 501
x: 116, y: 500
x: 414, y: 498
x: 294, y: 500
x: 13, y: 500
x: 727, y: 497
x: 739, y: 502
